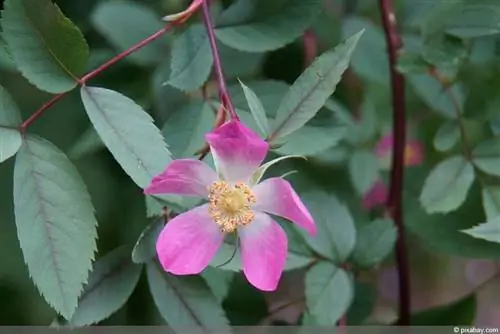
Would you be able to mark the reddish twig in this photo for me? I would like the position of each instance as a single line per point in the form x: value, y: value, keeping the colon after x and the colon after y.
x: 310, y: 45
x: 395, y: 200
x: 225, y: 99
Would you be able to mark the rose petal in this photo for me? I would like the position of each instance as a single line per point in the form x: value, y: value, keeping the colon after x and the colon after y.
x: 276, y: 196
x: 414, y: 153
x: 264, y: 248
x: 376, y: 196
x: 237, y: 151
x: 183, y: 177
x: 188, y: 242
x: 384, y: 146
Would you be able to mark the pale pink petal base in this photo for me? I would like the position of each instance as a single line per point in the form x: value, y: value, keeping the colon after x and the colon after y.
x: 188, y: 242
x: 183, y: 177
x: 264, y: 249
x: 237, y: 150
x: 276, y: 196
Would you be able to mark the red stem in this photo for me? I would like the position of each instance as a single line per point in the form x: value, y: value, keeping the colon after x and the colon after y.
x: 395, y: 201
x: 223, y: 92
x: 94, y: 73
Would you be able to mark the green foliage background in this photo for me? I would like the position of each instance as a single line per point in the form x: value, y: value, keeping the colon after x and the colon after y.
x: 455, y: 189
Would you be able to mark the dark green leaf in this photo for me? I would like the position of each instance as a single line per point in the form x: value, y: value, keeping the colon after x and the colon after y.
x: 6, y: 61
x: 447, y: 136
x: 185, y: 301
x: 486, y: 156
x: 88, y: 143
x: 10, y: 119
x: 125, y: 23
x: 110, y: 285
x: 55, y: 223
x: 145, y: 247
x: 128, y: 132
x: 374, y: 243
x: 363, y: 170
x: 446, y: 187
x: 260, y: 26
x: 47, y: 47
x: 336, y: 230
x: 461, y: 312
x: 311, y: 90
x: 191, y: 59
x: 219, y: 281
x: 329, y: 293
x: 362, y: 306
x: 491, y: 202
x: 412, y: 63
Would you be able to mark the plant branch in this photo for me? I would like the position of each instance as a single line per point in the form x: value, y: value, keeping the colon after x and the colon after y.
x: 395, y: 201
x: 223, y: 92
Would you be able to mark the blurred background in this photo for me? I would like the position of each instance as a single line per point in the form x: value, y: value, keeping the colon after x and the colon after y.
x: 440, y: 274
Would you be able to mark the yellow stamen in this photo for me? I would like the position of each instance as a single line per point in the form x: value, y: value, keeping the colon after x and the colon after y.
x: 230, y: 206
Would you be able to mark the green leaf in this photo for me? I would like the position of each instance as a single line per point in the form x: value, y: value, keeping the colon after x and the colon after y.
x: 260, y: 26
x: 446, y: 187
x: 270, y: 93
x: 185, y: 301
x: 219, y: 282
x: 191, y: 59
x: 256, y: 109
x: 336, y: 235
x: 491, y: 202
x: 145, y: 247
x: 460, y: 313
x: 257, y: 176
x: 412, y: 63
x: 311, y: 90
x: 329, y: 293
x: 10, y: 118
x: 185, y: 130
x: 374, y: 243
x: 489, y: 231
x: 128, y: 132
x: 240, y: 64
x: 447, y: 102
x: 486, y: 156
x: 55, y: 222
x: 447, y: 136
x: 299, y: 142
x: 110, y: 285
x: 124, y: 23
x: 47, y: 47
x: 88, y: 143
x: 6, y: 61
x: 369, y: 59
x: 362, y: 306
x: 363, y: 170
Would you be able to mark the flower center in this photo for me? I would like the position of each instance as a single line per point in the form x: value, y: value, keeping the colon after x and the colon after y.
x: 230, y: 206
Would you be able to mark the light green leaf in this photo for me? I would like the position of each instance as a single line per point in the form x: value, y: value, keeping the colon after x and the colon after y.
x: 185, y: 130
x: 489, y: 231
x: 363, y: 170
x: 311, y: 90
x: 124, y: 23
x: 412, y: 63
x: 486, y: 156
x: 473, y: 18
x: 47, y: 47
x: 257, y: 176
x: 256, y: 109
x: 10, y: 118
x: 111, y: 284
x: 55, y: 222
x: 336, y: 235
x: 240, y: 64
x: 191, y: 59
x: 329, y: 293
x: 260, y: 26
x: 447, y: 136
x: 88, y: 143
x: 128, y: 132
x: 219, y: 282
x: 446, y: 187
x: 6, y: 62
x: 270, y: 93
x: 491, y: 202
x: 447, y: 102
x: 374, y: 243
x: 185, y: 301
